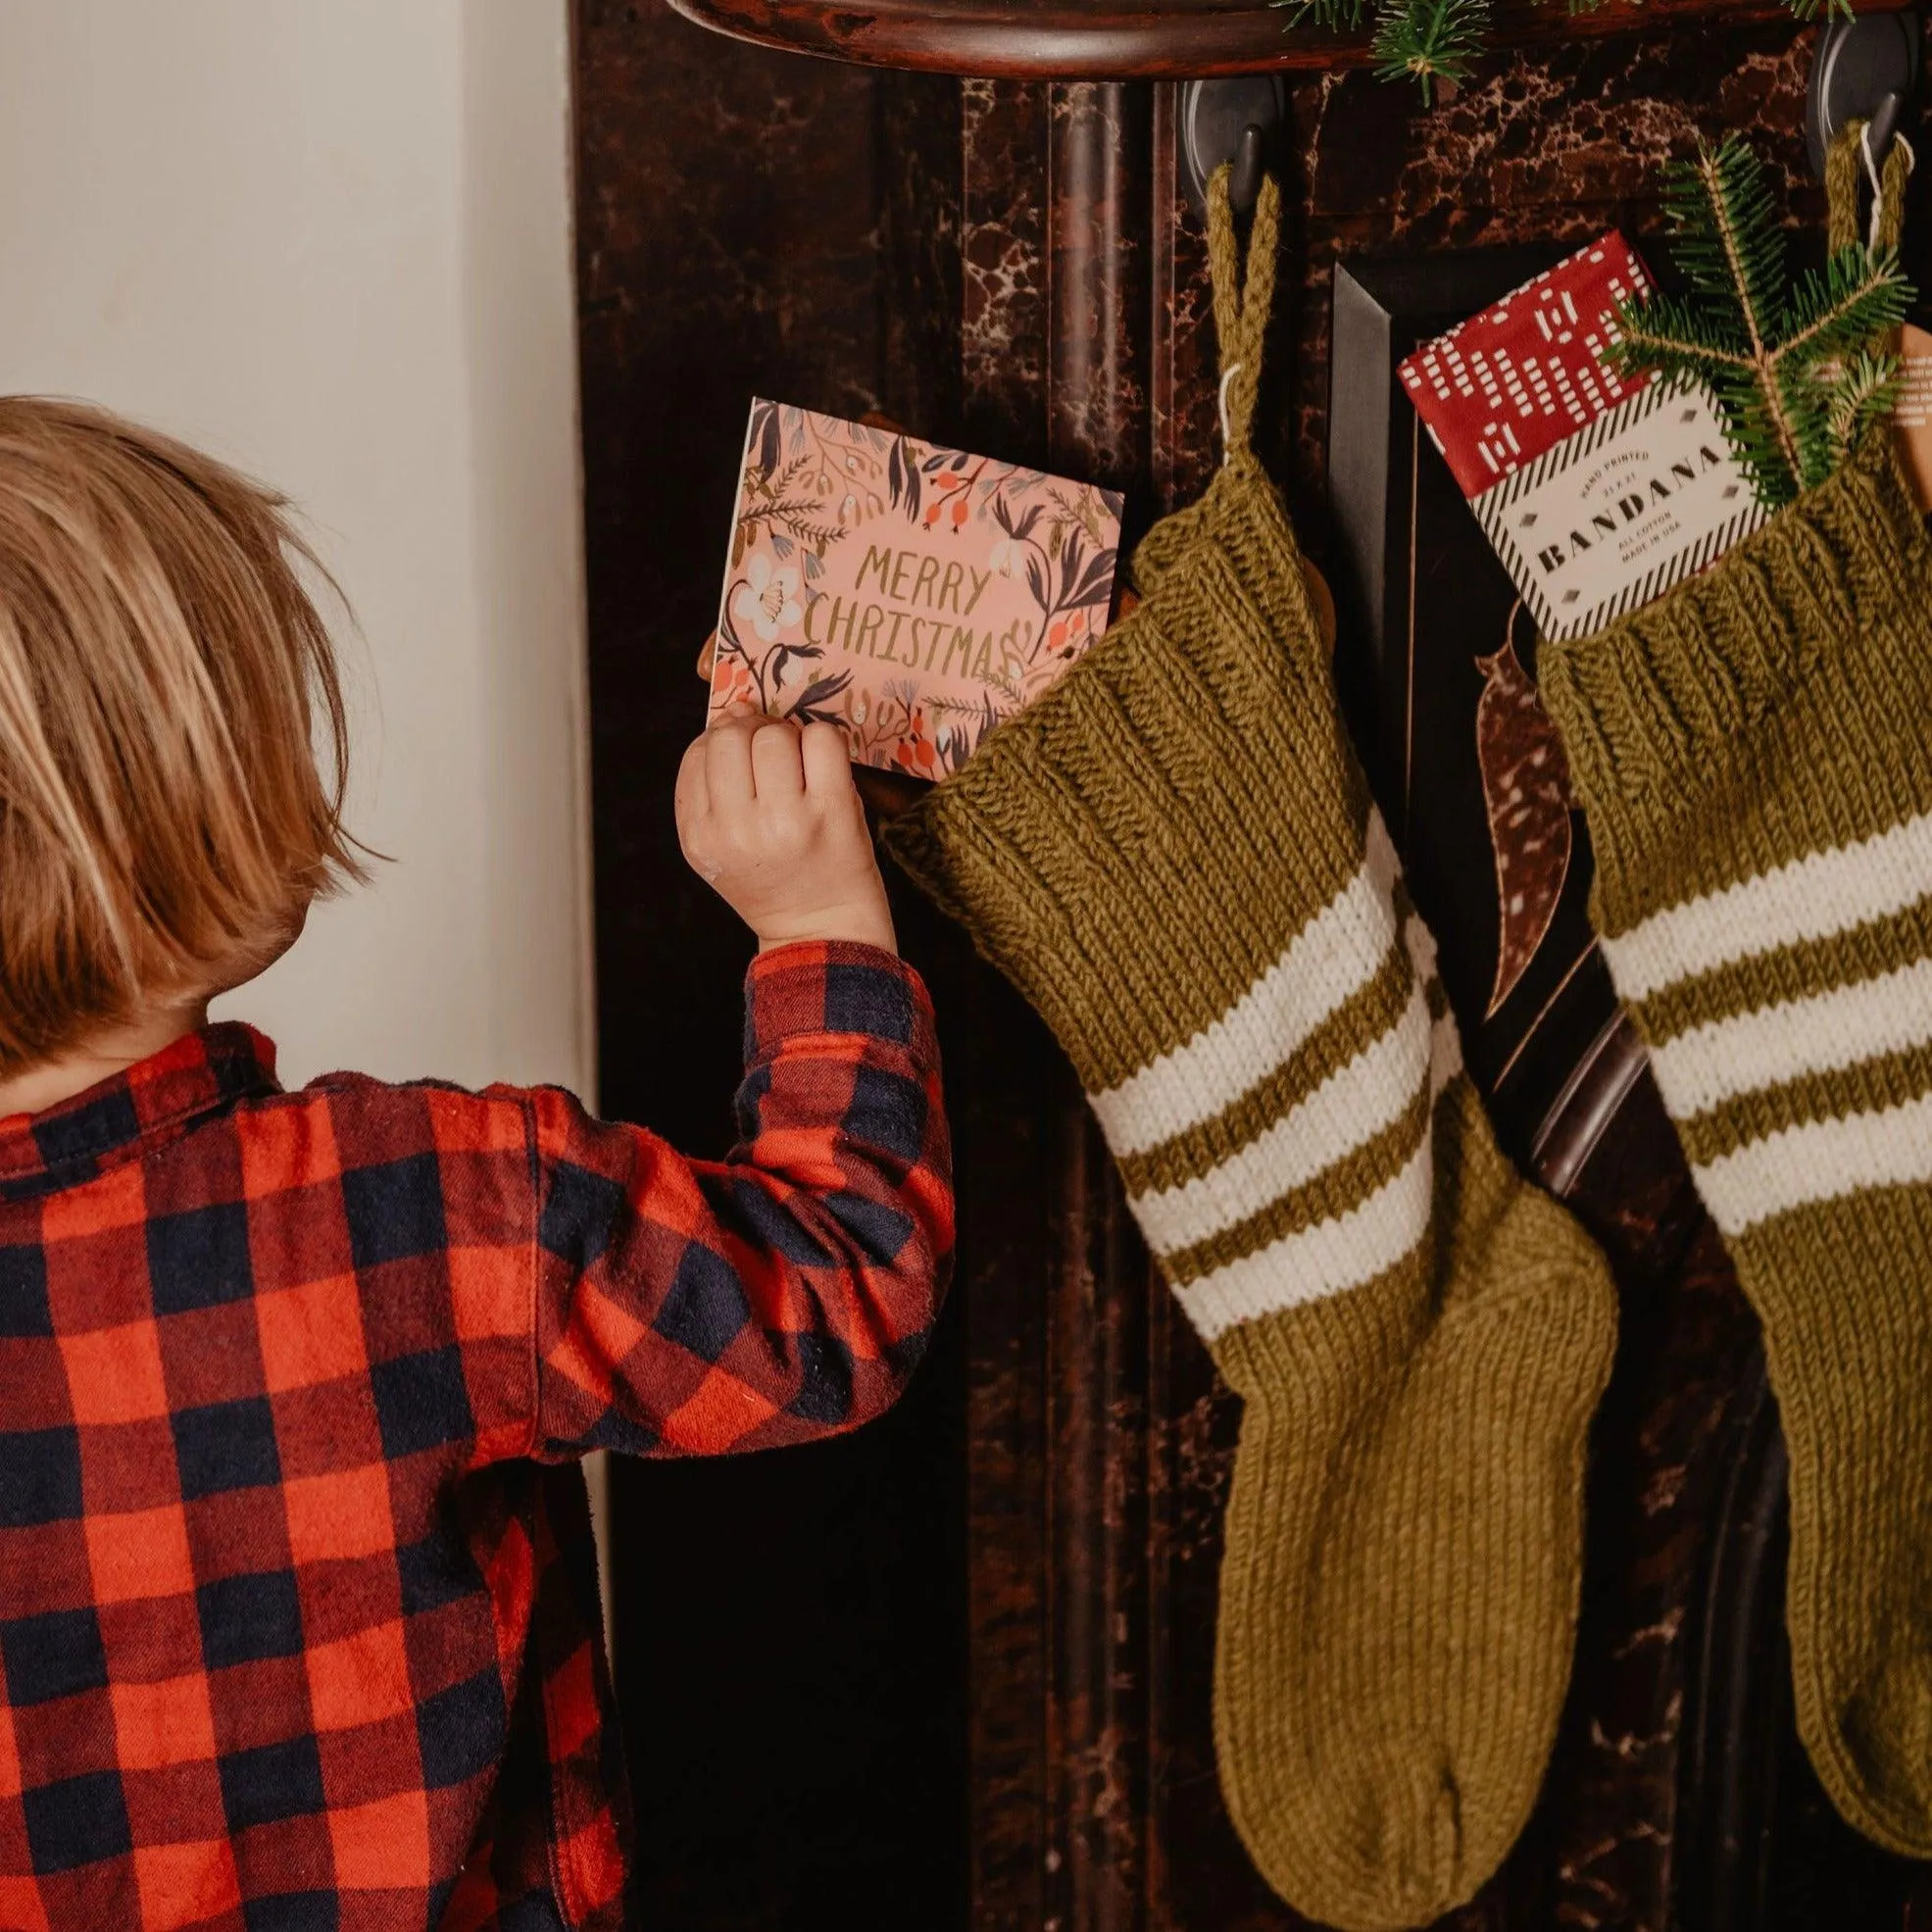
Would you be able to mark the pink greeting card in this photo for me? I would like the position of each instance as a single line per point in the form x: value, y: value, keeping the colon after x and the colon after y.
x: 914, y: 596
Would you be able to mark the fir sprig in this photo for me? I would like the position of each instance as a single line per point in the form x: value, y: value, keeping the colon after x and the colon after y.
x: 1795, y: 368
x: 1429, y: 40
x: 1341, y: 14
x: 1867, y: 390
x: 1438, y: 40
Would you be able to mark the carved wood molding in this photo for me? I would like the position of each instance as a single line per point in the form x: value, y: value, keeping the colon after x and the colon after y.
x: 1124, y: 39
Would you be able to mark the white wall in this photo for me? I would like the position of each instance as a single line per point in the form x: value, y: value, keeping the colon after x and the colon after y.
x: 330, y: 240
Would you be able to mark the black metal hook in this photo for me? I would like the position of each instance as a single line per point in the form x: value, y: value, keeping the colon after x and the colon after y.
x: 1863, y: 70
x: 1238, y: 120
x: 1244, y: 185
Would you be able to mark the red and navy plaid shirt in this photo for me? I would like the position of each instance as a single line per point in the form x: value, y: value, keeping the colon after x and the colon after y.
x: 298, y: 1605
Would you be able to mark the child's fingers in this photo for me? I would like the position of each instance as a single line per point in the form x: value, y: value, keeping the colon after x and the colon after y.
x: 691, y: 801
x: 708, y: 657
x: 826, y: 761
x: 728, y: 759
x: 776, y: 769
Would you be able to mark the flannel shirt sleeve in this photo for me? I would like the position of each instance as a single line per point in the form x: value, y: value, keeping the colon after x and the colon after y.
x: 692, y: 1308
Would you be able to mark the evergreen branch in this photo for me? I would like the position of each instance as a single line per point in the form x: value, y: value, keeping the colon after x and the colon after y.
x: 1866, y: 389
x: 1677, y: 361
x: 1432, y: 40
x: 1438, y: 40
x: 1337, y: 14
x: 1861, y: 293
x: 1794, y: 366
x: 1721, y: 218
x: 1807, y: 405
x: 1756, y: 433
x: 1744, y: 227
x: 1740, y: 223
x: 1664, y: 321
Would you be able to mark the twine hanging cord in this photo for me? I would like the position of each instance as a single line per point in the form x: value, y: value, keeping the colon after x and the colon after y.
x: 1888, y: 196
x: 1241, y: 311
x: 1850, y: 167
x: 1850, y: 161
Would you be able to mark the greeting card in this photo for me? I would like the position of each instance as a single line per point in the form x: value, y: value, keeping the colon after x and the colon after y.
x: 913, y: 595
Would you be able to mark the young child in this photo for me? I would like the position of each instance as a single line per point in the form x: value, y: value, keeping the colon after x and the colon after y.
x: 298, y: 1605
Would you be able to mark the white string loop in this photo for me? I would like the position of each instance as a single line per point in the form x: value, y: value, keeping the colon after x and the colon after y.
x: 1877, y: 182
x: 1227, y: 375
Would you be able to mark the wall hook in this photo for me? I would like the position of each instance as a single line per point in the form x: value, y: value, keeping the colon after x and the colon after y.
x: 1865, y: 70
x: 1239, y: 120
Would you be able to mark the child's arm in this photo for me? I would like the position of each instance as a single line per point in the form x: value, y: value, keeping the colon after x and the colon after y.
x: 691, y: 1307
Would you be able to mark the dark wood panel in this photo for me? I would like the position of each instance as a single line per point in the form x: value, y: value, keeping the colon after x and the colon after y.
x: 791, y: 1629
x: 983, y: 1631
x: 1063, y: 39
x: 1099, y: 229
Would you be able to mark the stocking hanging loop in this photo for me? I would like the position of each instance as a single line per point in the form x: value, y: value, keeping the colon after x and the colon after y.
x: 1852, y: 165
x: 1240, y: 311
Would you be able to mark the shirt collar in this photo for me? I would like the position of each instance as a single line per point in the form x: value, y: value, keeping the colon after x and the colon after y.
x: 125, y: 1115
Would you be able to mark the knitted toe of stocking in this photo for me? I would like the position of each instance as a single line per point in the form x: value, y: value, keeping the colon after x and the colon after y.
x: 1174, y: 856
x: 1752, y: 752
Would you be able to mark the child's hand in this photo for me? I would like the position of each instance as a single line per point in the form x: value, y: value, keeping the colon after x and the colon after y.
x: 768, y: 814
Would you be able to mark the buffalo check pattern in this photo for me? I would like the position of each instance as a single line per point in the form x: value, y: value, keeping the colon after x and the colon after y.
x: 298, y: 1602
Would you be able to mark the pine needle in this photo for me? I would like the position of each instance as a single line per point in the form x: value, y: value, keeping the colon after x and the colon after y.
x: 1339, y: 14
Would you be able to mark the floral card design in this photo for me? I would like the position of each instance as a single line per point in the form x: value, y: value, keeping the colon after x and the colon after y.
x: 914, y: 596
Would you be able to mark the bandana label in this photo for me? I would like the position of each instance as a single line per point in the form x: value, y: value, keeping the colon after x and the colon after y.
x: 1597, y: 493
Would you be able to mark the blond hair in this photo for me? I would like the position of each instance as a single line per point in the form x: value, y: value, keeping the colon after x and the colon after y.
x: 164, y: 818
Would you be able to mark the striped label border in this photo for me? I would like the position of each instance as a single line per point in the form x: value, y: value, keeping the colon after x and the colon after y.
x: 1494, y: 506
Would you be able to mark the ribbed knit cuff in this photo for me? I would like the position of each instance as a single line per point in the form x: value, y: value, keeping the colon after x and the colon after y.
x: 1808, y: 633
x: 1135, y: 850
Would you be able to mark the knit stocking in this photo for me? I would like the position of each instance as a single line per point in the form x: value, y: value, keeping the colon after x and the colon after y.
x: 1751, y: 751
x: 1174, y: 856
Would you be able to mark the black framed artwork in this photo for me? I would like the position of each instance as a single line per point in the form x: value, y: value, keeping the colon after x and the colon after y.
x: 1467, y: 767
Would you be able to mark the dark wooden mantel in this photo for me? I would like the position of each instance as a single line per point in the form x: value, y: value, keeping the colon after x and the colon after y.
x: 1142, y: 39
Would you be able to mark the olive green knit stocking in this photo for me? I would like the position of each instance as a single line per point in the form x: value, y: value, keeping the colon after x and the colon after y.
x: 1752, y: 753
x: 1174, y: 857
